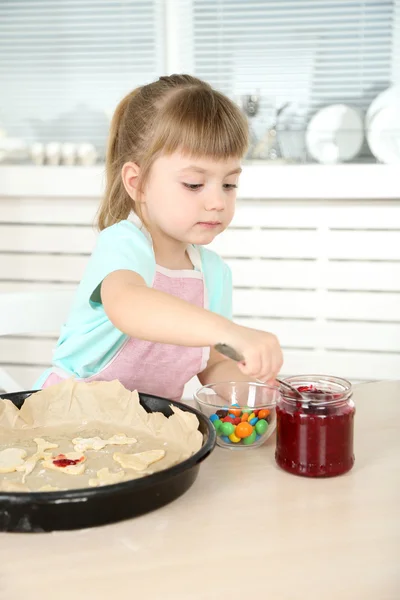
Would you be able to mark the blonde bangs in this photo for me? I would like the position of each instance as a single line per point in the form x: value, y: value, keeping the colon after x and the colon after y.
x: 200, y: 122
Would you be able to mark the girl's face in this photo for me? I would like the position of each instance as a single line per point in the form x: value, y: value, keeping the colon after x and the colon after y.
x: 190, y: 200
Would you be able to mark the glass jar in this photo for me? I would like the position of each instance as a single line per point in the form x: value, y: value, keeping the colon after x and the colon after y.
x: 315, y: 435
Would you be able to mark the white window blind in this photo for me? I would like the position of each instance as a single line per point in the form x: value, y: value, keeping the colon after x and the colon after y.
x: 309, y: 53
x: 64, y: 64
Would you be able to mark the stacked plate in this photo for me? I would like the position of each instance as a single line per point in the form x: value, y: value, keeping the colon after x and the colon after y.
x: 335, y: 134
x: 382, y: 124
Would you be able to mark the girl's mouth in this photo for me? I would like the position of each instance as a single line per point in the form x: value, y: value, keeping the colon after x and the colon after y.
x: 209, y: 224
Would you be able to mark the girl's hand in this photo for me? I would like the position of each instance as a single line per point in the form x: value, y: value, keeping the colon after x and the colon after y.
x: 261, y: 351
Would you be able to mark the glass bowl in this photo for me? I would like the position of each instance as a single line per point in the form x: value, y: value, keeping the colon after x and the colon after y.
x: 242, y: 412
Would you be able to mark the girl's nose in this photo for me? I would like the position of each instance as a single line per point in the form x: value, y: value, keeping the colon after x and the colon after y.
x: 216, y: 201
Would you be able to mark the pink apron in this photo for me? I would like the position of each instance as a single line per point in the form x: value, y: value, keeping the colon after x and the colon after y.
x: 153, y: 368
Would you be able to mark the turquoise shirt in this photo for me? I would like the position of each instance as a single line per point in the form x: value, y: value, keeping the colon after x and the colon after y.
x: 88, y: 340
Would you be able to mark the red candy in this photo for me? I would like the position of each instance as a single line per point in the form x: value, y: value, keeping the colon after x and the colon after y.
x: 229, y: 420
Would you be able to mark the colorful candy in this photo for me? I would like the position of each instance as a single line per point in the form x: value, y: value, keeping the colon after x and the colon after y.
x: 243, y: 430
x: 236, y: 412
x: 217, y: 424
x: 236, y: 425
x: 227, y: 429
x: 251, y: 439
x: 261, y: 426
x: 263, y: 413
x: 228, y: 419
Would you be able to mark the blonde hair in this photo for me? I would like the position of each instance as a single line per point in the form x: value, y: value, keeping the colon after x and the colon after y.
x: 177, y: 112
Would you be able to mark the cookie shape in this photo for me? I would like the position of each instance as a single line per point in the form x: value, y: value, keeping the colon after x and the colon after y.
x: 121, y: 440
x: 139, y: 461
x: 70, y: 463
x: 98, y: 443
x: 83, y: 444
x: 11, y: 458
x: 30, y: 463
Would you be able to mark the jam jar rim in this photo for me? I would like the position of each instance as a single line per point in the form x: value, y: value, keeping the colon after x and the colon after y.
x: 345, y: 395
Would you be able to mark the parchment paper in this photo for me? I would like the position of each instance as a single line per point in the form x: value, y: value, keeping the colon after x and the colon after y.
x: 72, y: 409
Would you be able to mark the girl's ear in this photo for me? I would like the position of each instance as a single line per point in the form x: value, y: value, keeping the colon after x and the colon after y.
x: 130, y: 179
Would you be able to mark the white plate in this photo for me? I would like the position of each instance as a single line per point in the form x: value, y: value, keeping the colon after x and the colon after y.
x: 386, y: 98
x: 335, y: 134
x: 384, y: 134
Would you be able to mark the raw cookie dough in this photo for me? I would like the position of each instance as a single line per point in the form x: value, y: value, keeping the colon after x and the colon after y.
x: 76, y: 469
x: 139, y: 461
x: 11, y: 458
x: 98, y: 443
x: 106, y: 477
x: 30, y: 463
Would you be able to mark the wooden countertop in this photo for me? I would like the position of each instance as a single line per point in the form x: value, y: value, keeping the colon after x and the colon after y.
x: 244, y: 530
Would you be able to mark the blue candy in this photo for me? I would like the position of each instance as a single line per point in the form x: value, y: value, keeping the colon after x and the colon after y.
x: 258, y: 437
x: 214, y: 417
x: 253, y: 421
x: 225, y: 439
x: 231, y: 416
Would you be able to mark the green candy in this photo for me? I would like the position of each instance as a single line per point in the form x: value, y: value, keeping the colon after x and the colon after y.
x: 217, y: 424
x: 261, y: 426
x: 247, y: 441
x: 247, y: 410
x: 227, y: 429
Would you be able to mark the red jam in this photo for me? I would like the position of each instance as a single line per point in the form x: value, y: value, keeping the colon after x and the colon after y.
x: 62, y: 461
x: 315, y: 436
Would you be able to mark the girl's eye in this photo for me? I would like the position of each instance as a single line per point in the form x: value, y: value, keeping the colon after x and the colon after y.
x: 193, y: 186
x: 230, y: 186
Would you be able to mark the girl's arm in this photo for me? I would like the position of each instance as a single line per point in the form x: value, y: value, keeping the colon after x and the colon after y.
x: 148, y: 314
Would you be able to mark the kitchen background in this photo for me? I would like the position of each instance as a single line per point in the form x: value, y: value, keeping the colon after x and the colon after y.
x: 315, y: 246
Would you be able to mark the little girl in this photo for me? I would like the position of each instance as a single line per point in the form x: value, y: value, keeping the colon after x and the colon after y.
x: 154, y: 301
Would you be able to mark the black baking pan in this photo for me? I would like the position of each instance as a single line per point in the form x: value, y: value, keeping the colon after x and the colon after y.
x: 89, y: 507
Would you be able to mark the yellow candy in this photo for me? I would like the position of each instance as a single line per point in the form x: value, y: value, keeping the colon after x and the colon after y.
x: 234, y: 438
x: 251, y: 416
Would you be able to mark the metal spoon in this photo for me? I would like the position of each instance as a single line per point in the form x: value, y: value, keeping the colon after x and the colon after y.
x: 236, y: 356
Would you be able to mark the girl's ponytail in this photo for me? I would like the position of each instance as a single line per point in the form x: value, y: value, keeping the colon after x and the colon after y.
x: 117, y: 204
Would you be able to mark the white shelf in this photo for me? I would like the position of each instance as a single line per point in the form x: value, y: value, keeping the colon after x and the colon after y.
x: 308, y: 182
